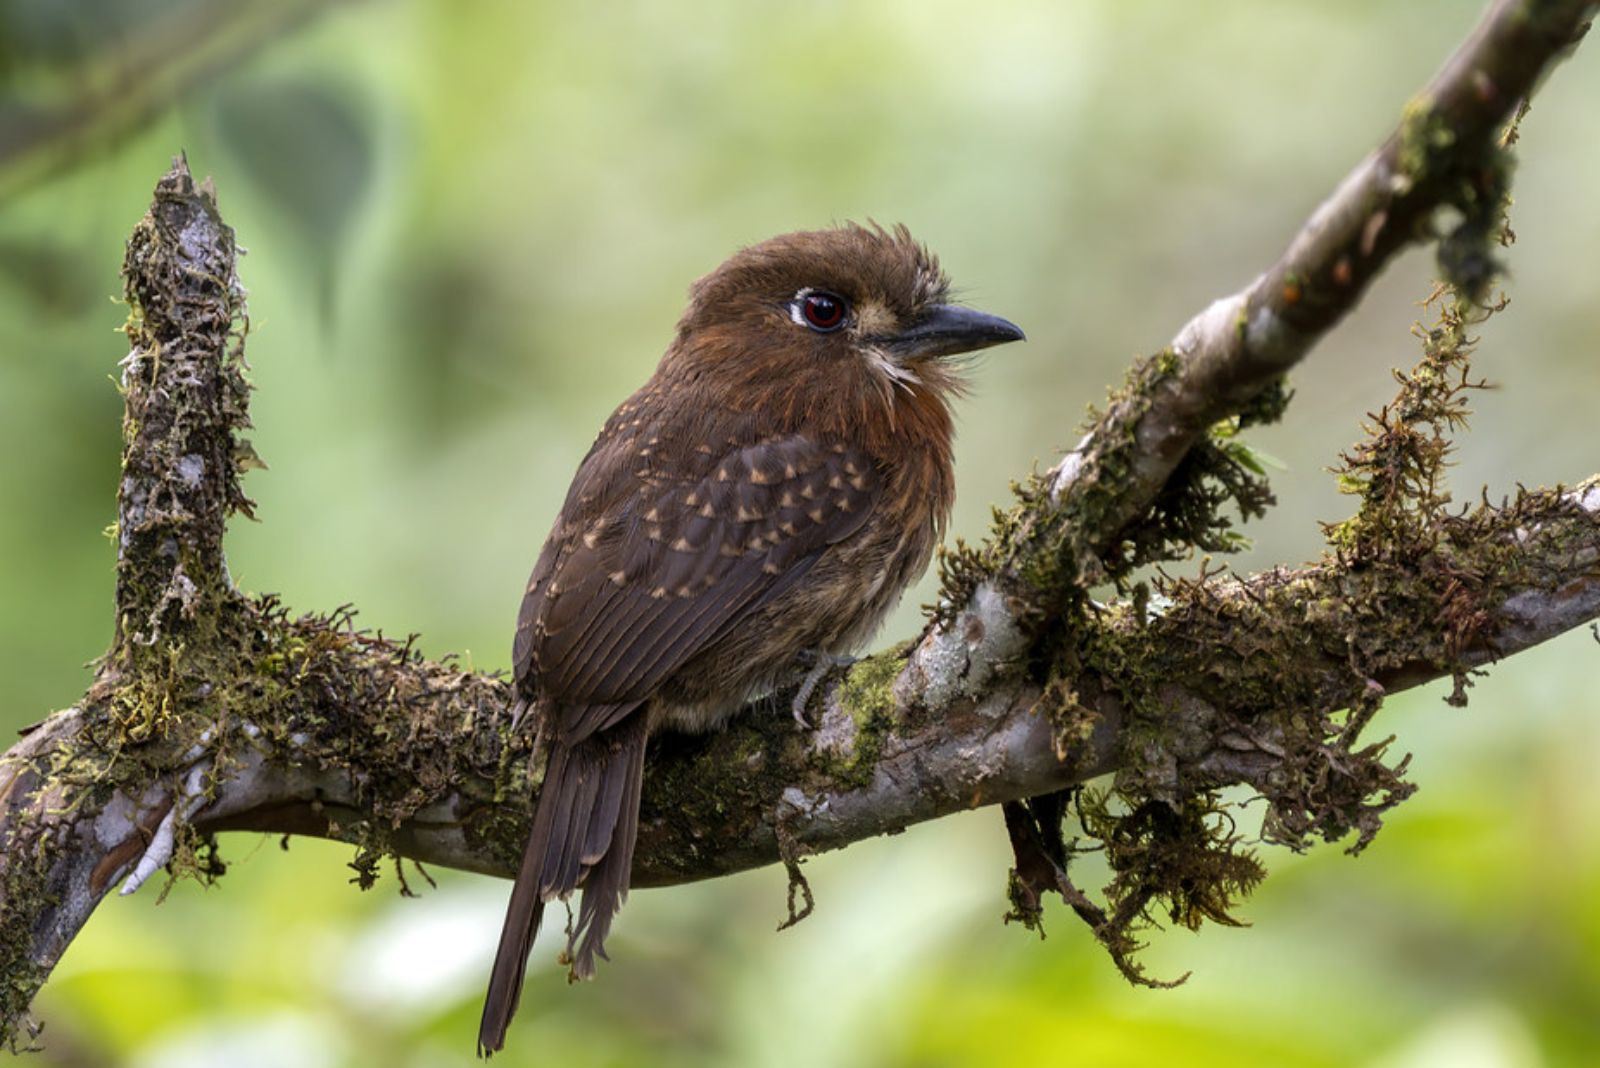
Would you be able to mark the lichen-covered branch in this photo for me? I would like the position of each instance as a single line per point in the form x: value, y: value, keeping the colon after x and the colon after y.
x: 341, y: 734
x: 215, y: 712
x: 1152, y: 477
x: 185, y: 401
x: 1101, y: 509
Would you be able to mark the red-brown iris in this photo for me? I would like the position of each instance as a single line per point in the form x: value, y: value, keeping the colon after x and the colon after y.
x: 823, y: 311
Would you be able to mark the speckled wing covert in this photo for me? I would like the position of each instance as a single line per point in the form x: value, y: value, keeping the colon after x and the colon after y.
x: 623, y: 598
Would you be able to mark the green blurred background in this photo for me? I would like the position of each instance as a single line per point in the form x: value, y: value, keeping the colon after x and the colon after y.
x: 470, y: 229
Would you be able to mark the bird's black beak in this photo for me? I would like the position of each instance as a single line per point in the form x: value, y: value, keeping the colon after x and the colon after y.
x: 949, y: 329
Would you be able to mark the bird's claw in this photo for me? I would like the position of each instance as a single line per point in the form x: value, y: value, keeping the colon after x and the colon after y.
x: 802, y: 697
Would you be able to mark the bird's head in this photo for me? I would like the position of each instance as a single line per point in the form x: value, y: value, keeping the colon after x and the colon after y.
x: 854, y: 319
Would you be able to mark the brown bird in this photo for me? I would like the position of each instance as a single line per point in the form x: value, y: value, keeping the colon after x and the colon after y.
x: 765, y: 498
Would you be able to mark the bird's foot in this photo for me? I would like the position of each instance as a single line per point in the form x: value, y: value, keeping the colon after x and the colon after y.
x: 822, y: 663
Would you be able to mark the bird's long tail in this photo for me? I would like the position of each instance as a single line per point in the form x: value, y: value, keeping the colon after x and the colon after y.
x: 584, y: 826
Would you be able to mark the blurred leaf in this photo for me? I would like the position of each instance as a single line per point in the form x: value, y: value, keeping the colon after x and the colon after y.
x: 49, y: 33
x: 306, y: 147
x: 54, y: 280
x: 457, y: 341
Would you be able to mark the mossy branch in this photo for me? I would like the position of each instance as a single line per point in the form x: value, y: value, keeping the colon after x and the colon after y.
x: 325, y: 730
x: 215, y: 712
x: 1141, y: 486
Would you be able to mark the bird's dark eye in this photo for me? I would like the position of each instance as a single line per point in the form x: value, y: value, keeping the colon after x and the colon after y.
x: 822, y: 311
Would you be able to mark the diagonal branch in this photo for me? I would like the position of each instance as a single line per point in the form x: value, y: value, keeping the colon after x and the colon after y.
x: 1106, y: 507
x: 1444, y: 153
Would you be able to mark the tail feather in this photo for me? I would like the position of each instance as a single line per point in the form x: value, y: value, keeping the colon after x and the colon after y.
x: 523, y: 913
x: 583, y: 831
x: 606, y: 887
x: 597, y: 837
x: 562, y: 860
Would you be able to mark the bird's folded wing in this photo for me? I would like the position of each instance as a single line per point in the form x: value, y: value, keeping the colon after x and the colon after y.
x: 640, y: 589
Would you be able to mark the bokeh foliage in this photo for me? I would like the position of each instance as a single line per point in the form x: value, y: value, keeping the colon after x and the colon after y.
x: 471, y: 226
